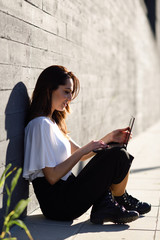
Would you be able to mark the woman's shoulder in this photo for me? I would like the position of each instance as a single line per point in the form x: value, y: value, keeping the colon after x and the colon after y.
x: 39, y: 122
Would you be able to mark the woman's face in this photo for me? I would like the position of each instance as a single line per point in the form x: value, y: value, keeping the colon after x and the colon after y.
x: 62, y: 96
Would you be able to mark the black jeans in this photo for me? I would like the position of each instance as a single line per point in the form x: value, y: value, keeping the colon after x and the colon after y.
x: 67, y: 200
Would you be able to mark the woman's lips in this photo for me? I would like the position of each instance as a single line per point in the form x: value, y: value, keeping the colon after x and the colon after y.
x: 65, y: 104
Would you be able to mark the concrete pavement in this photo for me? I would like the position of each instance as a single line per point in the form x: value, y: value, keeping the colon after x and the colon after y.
x: 144, y: 183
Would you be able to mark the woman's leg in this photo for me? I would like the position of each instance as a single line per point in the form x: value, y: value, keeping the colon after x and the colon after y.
x: 120, y: 188
x: 67, y: 200
x: 106, y: 168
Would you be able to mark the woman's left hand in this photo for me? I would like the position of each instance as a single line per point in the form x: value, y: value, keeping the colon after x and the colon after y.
x: 119, y: 135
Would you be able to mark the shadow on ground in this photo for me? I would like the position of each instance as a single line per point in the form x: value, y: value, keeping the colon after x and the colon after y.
x: 63, y: 230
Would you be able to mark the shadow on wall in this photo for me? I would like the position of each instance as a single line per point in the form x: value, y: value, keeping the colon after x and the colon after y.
x: 151, y: 14
x: 15, y: 117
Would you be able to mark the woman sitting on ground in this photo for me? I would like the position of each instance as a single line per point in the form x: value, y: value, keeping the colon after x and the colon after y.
x: 50, y: 155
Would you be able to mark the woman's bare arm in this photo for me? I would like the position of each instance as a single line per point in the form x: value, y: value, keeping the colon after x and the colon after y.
x: 53, y: 174
x: 75, y: 147
x: 118, y: 136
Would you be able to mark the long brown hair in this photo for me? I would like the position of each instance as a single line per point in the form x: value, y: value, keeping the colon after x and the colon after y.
x: 49, y: 80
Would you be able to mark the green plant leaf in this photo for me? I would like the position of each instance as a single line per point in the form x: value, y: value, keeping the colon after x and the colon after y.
x: 11, y: 218
x: 19, y: 208
x: 7, y: 218
x: 8, y: 174
x: 21, y: 224
x: 9, y: 197
x: 15, y: 179
x: 7, y: 190
x: 2, y: 179
x: 11, y: 238
x: 3, y: 236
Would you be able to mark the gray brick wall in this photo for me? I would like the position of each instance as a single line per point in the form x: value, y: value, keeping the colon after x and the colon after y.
x: 108, y: 44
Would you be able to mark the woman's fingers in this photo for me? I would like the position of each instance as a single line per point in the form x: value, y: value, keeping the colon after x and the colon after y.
x: 121, y: 135
x: 99, y: 144
x: 125, y: 129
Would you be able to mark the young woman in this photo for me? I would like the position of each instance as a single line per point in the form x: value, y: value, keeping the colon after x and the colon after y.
x: 50, y: 155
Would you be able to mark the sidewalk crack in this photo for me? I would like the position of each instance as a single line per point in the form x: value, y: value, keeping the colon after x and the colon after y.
x: 156, y: 230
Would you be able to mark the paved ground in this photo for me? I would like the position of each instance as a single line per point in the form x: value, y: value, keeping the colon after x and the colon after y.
x: 144, y: 183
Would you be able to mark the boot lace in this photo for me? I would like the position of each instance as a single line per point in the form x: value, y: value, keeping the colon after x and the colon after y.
x: 112, y: 202
x: 131, y: 201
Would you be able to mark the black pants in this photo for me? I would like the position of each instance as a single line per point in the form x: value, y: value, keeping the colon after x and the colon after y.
x: 67, y: 200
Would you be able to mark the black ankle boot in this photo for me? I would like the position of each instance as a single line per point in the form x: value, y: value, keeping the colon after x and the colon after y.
x: 108, y: 210
x: 131, y: 203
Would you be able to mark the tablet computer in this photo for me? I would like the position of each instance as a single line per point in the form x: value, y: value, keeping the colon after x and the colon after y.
x: 124, y: 145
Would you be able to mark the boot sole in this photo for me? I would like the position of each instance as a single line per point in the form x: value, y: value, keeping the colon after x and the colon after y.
x: 114, y: 220
x: 144, y: 212
x: 140, y: 212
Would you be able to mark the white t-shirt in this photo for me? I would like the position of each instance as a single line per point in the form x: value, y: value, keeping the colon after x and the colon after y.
x: 44, y: 146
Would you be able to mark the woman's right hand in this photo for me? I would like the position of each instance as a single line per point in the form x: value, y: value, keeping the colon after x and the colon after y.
x: 53, y: 174
x: 93, y: 145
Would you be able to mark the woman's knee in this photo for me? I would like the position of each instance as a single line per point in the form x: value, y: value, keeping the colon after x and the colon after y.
x: 118, y: 155
x: 121, y: 153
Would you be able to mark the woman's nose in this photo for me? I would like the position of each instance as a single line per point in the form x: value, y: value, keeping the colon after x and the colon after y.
x: 70, y: 96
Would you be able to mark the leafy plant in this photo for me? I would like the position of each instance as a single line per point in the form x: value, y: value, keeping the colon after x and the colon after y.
x: 11, y: 218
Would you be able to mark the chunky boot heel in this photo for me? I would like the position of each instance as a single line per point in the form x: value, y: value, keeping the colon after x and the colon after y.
x: 96, y: 221
x: 108, y: 210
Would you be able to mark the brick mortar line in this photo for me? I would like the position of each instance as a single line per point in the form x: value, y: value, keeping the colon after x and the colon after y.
x: 30, y: 23
x: 156, y: 230
x: 40, y: 28
x: 41, y: 49
x: 32, y: 67
x: 41, y: 9
x: 34, y: 5
x: 14, y: 65
x: 25, y: 44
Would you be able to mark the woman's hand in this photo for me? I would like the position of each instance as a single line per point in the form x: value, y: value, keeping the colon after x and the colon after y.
x: 53, y: 174
x: 93, y: 145
x: 119, y: 135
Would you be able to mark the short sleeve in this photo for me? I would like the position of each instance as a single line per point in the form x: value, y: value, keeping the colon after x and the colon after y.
x: 40, y: 147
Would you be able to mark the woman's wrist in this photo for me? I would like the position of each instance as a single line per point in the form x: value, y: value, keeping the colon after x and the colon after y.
x: 108, y: 138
